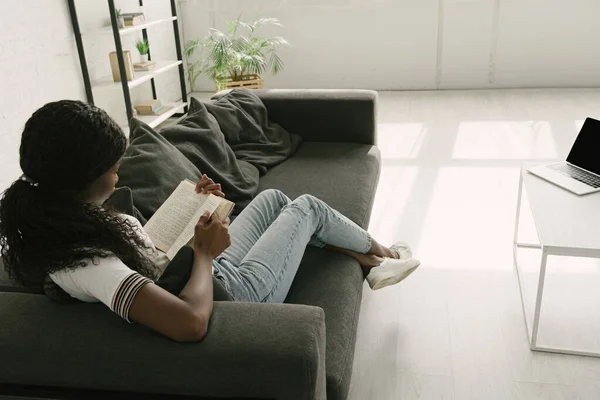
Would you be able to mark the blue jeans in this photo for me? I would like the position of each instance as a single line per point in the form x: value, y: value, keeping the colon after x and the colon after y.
x: 268, y: 240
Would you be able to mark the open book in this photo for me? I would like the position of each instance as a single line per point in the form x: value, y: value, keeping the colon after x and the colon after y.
x: 172, y: 225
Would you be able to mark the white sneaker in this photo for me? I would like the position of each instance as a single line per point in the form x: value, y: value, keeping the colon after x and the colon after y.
x: 390, y: 272
x: 403, y: 250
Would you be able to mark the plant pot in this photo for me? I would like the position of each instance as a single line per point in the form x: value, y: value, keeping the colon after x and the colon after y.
x: 251, y: 81
x: 121, y: 22
x: 143, y: 58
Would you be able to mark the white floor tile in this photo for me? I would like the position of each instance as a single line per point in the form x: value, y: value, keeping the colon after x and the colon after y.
x: 425, y: 387
x: 538, y: 391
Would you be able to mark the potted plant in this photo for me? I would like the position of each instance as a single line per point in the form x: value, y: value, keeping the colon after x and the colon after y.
x: 120, y: 19
x: 143, y: 47
x: 236, y: 58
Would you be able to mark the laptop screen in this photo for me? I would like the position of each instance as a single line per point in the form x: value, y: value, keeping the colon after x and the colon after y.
x: 586, y: 150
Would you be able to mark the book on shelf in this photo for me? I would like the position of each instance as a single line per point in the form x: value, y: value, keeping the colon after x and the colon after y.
x: 147, y: 107
x: 172, y: 225
x: 161, y: 110
x: 144, y: 66
x: 114, y: 66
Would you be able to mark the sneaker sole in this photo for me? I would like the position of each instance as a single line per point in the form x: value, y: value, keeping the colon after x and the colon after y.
x: 376, y: 282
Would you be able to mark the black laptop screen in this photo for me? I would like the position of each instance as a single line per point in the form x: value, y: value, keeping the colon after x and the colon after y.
x: 586, y: 150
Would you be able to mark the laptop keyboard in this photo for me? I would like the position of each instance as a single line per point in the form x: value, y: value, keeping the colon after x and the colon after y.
x: 577, y: 174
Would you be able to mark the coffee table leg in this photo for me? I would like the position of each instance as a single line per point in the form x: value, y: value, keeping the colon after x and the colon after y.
x: 515, y: 248
x: 519, y: 199
x: 538, y: 300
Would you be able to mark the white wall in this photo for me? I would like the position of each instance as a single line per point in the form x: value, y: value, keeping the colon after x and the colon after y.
x: 39, y: 63
x: 422, y: 44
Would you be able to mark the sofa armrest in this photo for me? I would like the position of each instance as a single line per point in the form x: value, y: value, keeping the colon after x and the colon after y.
x: 263, y: 351
x: 321, y: 115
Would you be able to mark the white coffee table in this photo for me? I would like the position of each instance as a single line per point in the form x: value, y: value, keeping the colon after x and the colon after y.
x: 566, y: 225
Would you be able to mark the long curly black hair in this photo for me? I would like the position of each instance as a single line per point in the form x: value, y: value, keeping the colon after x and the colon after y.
x: 66, y: 145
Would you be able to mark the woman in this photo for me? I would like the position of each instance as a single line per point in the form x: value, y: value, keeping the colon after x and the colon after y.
x: 52, y: 225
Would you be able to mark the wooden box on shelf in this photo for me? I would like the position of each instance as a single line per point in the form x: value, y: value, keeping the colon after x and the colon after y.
x: 252, y: 81
x: 114, y: 66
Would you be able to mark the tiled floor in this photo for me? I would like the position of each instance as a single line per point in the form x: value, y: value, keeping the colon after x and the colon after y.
x: 455, y: 328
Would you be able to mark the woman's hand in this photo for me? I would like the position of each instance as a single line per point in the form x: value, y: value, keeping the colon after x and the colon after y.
x: 211, y: 236
x: 208, y: 186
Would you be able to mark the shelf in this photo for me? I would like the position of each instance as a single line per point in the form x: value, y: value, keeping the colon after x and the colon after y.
x: 140, y: 76
x: 128, y: 29
x: 155, y: 120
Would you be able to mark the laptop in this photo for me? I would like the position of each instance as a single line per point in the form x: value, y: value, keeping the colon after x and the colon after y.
x: 580, y: 174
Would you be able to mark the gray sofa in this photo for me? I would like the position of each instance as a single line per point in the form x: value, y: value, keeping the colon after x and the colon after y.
x: 299, y: 350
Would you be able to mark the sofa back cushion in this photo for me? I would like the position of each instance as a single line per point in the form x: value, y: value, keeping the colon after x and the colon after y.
x: 152, y: 167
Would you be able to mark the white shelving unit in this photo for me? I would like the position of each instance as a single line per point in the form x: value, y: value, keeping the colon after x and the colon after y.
x: 105, y: 85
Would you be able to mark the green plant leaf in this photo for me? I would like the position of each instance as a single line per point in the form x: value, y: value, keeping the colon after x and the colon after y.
x: 221, y: 49
x: 248, y: 26
x: 195, y: 76
x: 143, y: 46
x: 192, y: 45
x: 278, y: 41
x: 259, y: 43
x: 266, y: 21
x: 234, y: 25
x: 254, y: 64
x: 275, y: 63
x: 239, y: 44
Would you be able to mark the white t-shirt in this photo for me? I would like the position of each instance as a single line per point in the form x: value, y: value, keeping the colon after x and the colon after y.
x: 109, y: 280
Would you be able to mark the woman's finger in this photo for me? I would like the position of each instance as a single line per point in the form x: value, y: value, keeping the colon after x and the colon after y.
x: 218, y: 193
x: 212, y: 187
x: 209, y: 188
x: 203, y: 183
x: 204, y: 218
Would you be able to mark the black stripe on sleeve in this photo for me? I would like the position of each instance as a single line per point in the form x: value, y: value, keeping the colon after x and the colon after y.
x: 125, y: 293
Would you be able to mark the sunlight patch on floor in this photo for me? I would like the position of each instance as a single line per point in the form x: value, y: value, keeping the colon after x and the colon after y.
x: 489, y: 140
x: 395, y: 187
x: 470, y: 219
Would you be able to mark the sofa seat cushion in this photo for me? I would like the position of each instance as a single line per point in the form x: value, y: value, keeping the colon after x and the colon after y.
x: 344, y: 175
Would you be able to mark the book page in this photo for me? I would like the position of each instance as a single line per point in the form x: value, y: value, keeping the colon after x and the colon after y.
x: 166, y: 225
x: 224, y: 210
x: 210, y: 205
